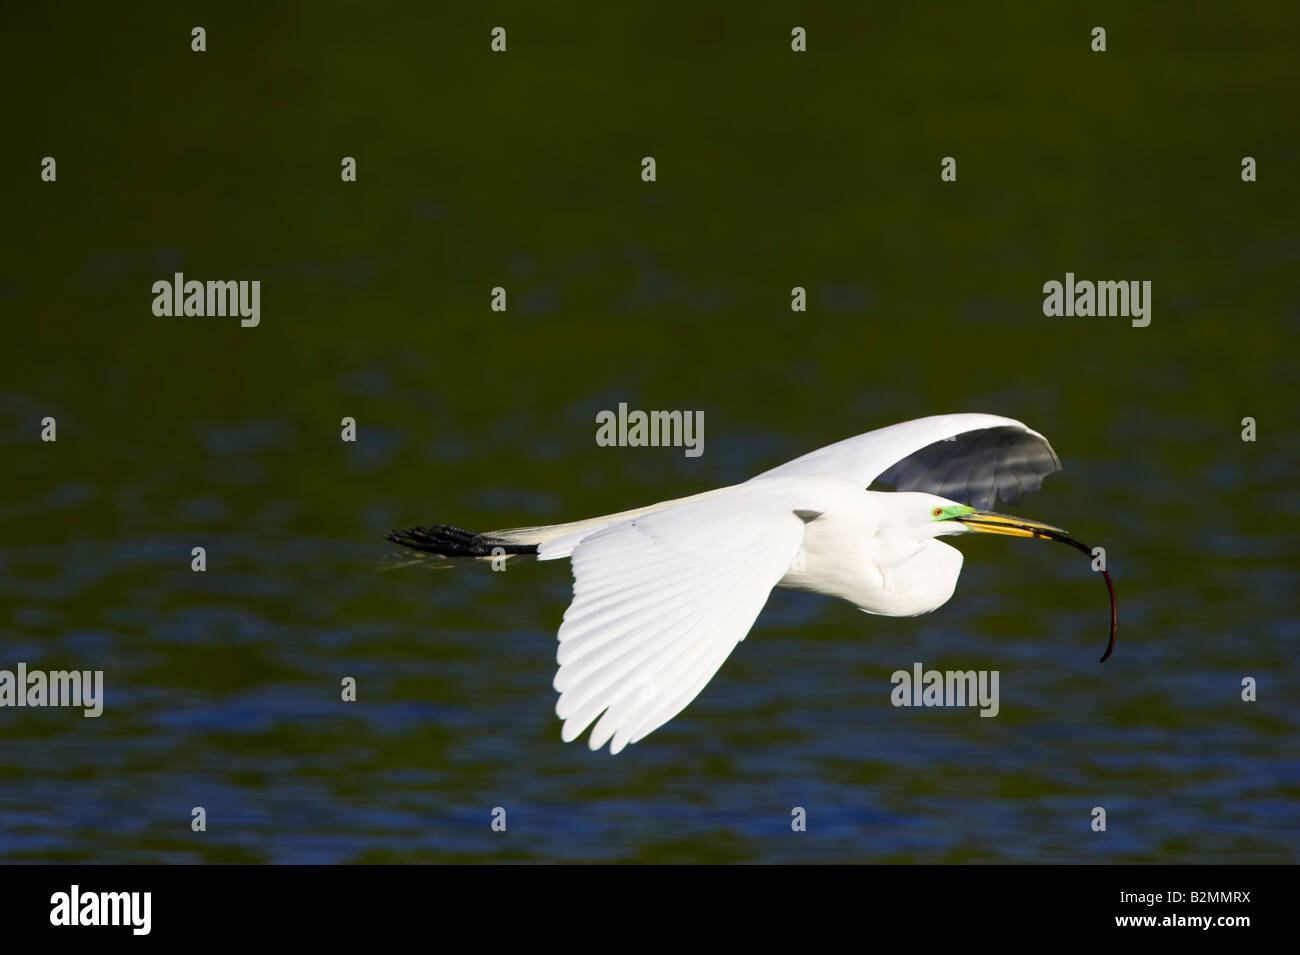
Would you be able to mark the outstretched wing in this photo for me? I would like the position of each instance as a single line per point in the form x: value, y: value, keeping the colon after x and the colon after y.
x: 660, y: 601
x: 970, y: 458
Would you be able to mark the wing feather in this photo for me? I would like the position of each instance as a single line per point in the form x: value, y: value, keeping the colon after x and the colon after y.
x: 660, y: 601
x: 970, y: 458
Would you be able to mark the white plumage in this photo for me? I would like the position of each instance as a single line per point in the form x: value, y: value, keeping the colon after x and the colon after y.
x: 662, y: 594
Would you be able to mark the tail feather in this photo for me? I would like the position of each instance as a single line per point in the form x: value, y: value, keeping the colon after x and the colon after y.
x: 548, y: 542
x: 447, y: 541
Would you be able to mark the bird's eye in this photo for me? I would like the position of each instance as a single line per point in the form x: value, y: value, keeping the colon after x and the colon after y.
x: 938, y: 512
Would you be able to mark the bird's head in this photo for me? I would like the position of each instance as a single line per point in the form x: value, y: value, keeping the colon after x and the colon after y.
x: 937, y: 517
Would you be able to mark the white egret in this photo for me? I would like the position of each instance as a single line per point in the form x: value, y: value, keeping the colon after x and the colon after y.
x: 662, y: 594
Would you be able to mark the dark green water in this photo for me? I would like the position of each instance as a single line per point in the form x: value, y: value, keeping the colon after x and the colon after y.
x: 522, y: 170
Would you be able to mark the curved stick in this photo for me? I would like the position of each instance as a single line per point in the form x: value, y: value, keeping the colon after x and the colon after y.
x: 1061, y: 538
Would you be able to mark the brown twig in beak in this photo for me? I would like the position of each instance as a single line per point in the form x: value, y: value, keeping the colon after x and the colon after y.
x: 1054, y: 535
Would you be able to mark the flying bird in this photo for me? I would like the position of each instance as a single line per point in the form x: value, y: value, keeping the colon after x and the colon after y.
x: 662, y: 594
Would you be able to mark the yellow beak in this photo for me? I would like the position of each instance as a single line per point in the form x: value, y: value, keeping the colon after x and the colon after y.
x: 988, y: 522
